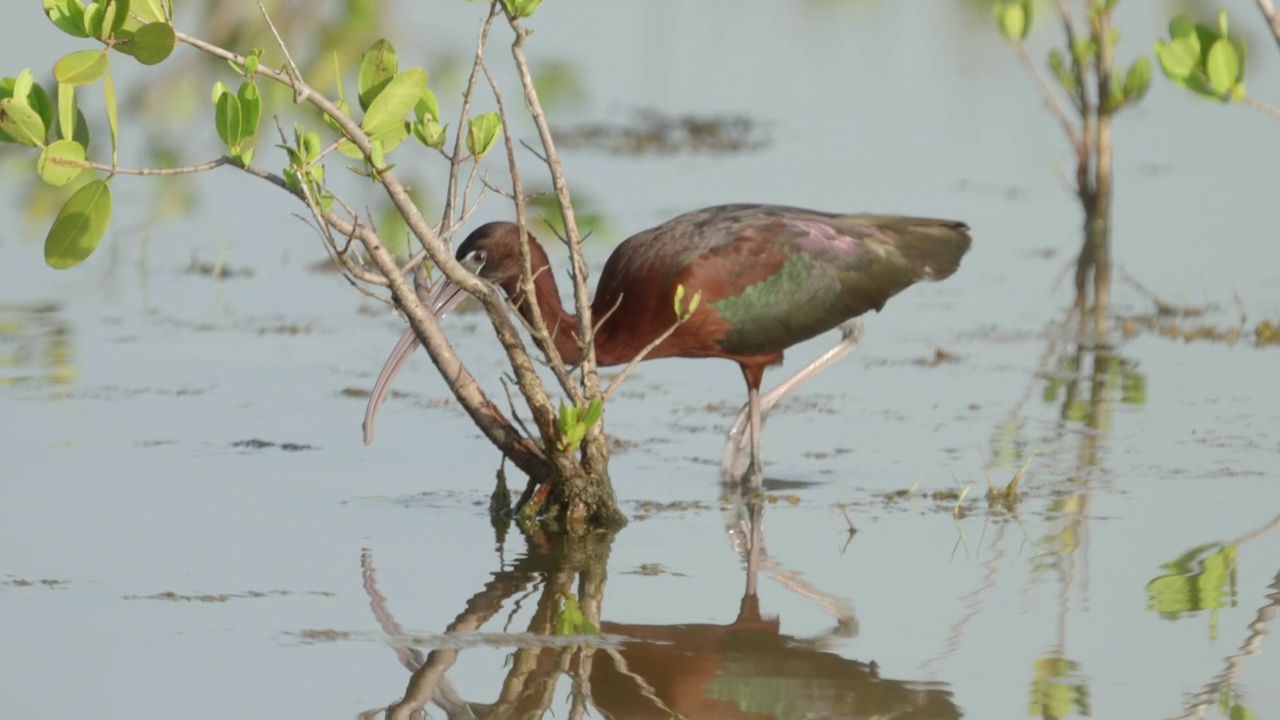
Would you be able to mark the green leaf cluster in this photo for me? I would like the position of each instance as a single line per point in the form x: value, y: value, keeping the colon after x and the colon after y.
x: 522, y: 8
x: 571, y: 620
x: 236, y: 117
x: 482, y: 134
x: 1072, y: 65
x: 682, y: 313
x: 387, y: 96
x: 1058, y: 690
x: 304, y: 166
x: 1204, y: 59
x: 573, y: 422
x: 139, y: 29
x: 1203, y: 578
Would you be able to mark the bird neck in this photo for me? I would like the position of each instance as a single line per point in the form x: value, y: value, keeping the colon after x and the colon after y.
x: 562, y: 324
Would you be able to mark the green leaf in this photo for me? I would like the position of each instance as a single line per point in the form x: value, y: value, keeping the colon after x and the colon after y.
x: 428, y: 108
x: 1222, y: 22
x: 523, y: 8
x: 1012, y: 19
x: 93, y: 19
x: 395, y: 101
x: 378, y: 66
x: 1178, y: 58
x: 81, y: 67
x: 1083, y: 50
x: 595, y: 410
x: 67, y: 15
x: 66, y: 110
x: 114, y: 15
x: 22, y: 86
x: 562, y: 419
x: 1058, y: 64
x: 219, y: 87
x: 482, y: 133
x: 79, y: 227
x: 1137, y: 80
x: 228, y: 120
x: 1182, y: 26
x: 20, y: 123
x: 1222, y: 66
x: 392, y: 136
x: 250, y: 108
x: 309, y: 142
x: 61, y: 162
x: 679, y: 304
x: 113, y: 115
x: 333, y: 124
x: 152, y: 43
x: 153, y: 11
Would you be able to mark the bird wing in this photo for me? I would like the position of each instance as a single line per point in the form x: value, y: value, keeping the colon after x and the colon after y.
x: 771, y: 276
x: 789, y: 274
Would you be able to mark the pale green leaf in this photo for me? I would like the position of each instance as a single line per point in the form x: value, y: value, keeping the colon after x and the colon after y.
x: 79, y: 227
x: 81, y: 67
x: 153, y: 43
x: 395, y: 101
x: 61, y: 162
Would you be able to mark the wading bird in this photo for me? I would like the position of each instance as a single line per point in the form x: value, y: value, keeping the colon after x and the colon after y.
x: 768, y: 277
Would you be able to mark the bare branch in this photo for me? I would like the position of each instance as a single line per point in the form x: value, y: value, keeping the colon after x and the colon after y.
x: 511, y: 403
x: 202, y: 167
x: 586, y: 331
x: 1267, y: 108
x: 459, y: 141
x: 288, y: 59
x: 538, y: 323
x: 1273, y: 21
x: 1050, y: 97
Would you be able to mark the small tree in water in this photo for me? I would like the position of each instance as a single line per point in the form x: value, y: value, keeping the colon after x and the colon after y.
x: 1094, y: 90
x: 566, y: 451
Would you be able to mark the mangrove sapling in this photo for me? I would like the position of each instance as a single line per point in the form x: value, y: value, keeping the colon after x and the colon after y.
x: 393, y: 104
x: 1095, y: 92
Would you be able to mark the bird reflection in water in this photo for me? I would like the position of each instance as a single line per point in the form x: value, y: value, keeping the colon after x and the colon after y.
x: 745, y: 669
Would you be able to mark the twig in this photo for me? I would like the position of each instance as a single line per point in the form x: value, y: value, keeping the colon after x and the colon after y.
x: 459, y: 140
x: 202, y: 167
x: 1050, y: 98
x: 538, y: 322
x: 586, y: 331
x: 511, y: 402
x: 1269, y: 109
x: 290, y: 65
x: 1273, y: 21
x: 640, y: 356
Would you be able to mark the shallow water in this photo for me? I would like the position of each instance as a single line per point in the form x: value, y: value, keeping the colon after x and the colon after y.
x: 190, y: 518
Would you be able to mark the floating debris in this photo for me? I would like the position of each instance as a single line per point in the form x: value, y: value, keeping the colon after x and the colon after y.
x: 652, y: 133
x: 256, y: 444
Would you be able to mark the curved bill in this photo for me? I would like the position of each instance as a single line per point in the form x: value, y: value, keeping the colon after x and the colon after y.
x: 444, y: 296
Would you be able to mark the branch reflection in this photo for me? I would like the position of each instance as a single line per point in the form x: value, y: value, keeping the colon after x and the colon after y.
x: 746, y: 668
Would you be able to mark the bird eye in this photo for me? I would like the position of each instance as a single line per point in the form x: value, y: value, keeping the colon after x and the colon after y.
x: 475, y: 259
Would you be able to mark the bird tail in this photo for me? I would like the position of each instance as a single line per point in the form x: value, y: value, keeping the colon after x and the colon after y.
x: 932, y: 248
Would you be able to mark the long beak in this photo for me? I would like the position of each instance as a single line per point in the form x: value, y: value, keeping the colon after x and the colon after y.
x: 444, y: 296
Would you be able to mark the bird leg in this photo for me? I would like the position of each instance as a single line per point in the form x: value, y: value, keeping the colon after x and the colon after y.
x: 758, y: 407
